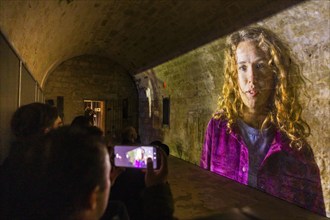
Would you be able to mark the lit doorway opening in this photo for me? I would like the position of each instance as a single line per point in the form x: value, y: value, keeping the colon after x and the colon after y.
x: 95, y: 108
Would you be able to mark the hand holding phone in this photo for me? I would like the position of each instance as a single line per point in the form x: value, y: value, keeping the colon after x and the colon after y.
x: 156, y: 177
x: 135, y: 156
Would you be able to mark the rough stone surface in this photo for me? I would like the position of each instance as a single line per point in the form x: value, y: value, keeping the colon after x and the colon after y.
x: 94, y: 78
x: 194, y: 80
x: 135, y: 34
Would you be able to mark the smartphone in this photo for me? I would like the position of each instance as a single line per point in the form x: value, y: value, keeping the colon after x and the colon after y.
x: 135, y: 156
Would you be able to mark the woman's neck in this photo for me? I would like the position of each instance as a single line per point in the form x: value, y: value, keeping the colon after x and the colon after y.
x: 254, y: 118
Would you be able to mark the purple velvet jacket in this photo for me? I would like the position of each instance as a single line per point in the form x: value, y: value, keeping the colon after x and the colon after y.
x: 286, y: 173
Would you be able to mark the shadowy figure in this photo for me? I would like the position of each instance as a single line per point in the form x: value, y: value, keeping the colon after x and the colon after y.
x: 65, y: 174
x: 90, y: 114
x: 81, y: 121
x: 28, y: 124
x: 34, y: 119
x: 130, y: 183
x: 129, y: 136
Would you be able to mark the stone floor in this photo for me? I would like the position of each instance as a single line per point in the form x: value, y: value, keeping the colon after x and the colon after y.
x: 199, y: 194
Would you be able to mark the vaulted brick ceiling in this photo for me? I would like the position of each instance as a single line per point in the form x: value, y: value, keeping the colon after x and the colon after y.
x: 137, y: 34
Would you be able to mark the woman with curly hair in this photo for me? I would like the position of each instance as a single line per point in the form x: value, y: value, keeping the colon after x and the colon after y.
x: 257, y: 135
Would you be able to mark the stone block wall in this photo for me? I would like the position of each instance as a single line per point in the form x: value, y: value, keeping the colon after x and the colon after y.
x: 94, y: 78
x: 194, y: 81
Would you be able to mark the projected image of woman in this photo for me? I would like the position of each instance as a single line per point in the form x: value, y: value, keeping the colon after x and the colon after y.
x: 257, y: 135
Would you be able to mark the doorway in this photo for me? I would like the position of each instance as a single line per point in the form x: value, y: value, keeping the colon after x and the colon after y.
x: 95, y: 108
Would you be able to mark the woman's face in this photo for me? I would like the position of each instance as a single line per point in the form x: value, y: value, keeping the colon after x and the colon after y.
x: 255, y: 78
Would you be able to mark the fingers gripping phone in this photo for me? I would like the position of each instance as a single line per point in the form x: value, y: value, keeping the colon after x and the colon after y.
x: 136, y: 156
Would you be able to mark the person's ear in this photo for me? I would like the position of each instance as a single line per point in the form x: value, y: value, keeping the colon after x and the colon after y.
x: 92, y: 203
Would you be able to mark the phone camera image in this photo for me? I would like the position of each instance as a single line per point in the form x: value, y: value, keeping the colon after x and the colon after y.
x: 135, y: 156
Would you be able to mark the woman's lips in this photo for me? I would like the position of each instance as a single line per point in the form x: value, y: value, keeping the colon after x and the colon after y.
x: 252, y: 92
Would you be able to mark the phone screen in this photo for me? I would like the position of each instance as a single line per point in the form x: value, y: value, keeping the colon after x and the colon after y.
x: 135, y: 156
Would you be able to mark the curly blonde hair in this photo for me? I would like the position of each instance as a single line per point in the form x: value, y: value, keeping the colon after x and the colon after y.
x: 284, y: 108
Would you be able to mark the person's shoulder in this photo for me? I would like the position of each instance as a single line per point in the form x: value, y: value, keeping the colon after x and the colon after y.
x: 219, y: 120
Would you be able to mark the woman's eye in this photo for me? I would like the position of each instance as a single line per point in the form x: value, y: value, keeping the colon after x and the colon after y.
x: 260, y: 65
x: 242, y: 68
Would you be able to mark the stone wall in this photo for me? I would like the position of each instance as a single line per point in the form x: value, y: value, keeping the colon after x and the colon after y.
x: 94, y: 78
x: 193, y: 82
